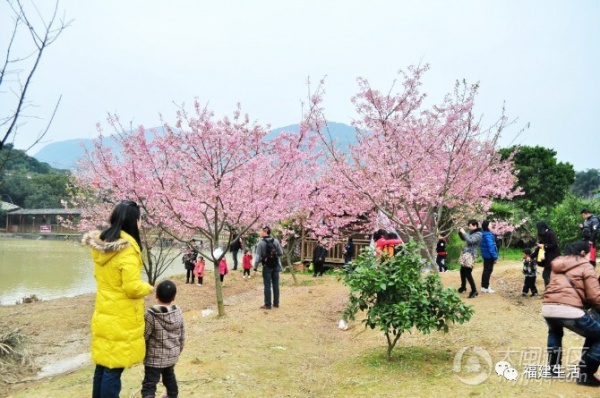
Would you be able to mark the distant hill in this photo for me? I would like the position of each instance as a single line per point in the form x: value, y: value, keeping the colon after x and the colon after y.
x: 64, y: 154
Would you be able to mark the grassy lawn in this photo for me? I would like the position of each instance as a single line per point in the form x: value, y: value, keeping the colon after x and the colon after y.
x: 298, y: 351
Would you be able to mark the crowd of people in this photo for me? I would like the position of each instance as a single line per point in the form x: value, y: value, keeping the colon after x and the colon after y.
x: 156, y: 336
x: 571, y: 297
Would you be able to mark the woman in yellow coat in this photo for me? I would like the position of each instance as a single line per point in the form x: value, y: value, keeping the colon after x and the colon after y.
x: 118, y: 320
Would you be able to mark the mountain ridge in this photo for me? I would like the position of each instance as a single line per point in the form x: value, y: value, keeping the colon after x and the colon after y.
x: 65, y: 153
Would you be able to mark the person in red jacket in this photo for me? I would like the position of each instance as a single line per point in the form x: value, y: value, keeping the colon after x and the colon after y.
x: 386, y: 242
x: 247, y: 263
x: 440, y: 259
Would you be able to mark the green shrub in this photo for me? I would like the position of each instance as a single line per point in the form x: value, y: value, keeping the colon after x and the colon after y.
x: 396, y: 296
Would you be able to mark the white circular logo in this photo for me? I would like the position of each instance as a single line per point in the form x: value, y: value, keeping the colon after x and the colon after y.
x: 472, y: 365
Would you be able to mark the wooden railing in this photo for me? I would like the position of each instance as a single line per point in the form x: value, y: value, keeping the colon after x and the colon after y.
x: 335, y: 254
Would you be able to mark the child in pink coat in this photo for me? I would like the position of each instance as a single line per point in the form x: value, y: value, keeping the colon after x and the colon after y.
x: 199, y: 270
x: 223, y: 270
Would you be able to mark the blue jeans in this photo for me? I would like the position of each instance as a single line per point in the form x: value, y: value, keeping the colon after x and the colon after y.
x: 107, y: 382
x: 585, y: 326
x: 271, y: 277
x: 234, y: 254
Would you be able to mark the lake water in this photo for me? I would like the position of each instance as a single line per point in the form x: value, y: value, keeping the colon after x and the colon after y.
x: 49, y: 269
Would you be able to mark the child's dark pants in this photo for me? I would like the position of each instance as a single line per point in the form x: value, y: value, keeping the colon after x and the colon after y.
x: 152, y: 377
x: 530, y: 285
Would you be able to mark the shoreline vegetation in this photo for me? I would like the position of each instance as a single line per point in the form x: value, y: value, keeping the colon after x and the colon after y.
x: 297, y: 350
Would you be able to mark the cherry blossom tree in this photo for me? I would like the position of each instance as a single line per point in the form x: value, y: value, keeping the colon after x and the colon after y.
x: 422, y: 167
x: 205, y: 177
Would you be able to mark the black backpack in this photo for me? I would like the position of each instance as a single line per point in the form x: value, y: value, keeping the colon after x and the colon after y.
x: 270, y: 259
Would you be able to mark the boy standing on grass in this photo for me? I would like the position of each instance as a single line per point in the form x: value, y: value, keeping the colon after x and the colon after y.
x: 530, y: 273
x: 164, y: 334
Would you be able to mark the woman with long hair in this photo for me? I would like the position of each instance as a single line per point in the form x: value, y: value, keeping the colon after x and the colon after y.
x: 118, y: 320
x: 573, y: 287
x: 468, y: 256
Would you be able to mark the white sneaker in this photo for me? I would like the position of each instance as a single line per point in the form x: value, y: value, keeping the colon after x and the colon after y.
x: 198, y: 284
x: 490, y: 290
x: 484, y: 290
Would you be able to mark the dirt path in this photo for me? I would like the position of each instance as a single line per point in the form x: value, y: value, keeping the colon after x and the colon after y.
x: 297, y: 350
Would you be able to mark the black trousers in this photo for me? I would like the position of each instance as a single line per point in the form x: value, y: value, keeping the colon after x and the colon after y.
x: 189, y: 273
x: 546, y: 275
x: 441, y: 263
x: 466, y: 275
x: 529, y: 285
x: 488, y: 268
x: 319, y: 268
x: 152, y: 377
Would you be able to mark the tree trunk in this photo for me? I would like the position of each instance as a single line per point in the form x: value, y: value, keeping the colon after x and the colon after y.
x: 219, y: 290
x: 292, y: 270
x: 391, y: 344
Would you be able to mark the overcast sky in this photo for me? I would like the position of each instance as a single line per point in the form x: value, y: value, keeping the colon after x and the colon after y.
x: 541, y: 58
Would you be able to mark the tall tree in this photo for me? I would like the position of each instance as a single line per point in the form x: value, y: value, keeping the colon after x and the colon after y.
x: 544, y: 180
x: 30, y: 35
x: 587, y: 183
x: 419, y: 167
x: 207, y: 177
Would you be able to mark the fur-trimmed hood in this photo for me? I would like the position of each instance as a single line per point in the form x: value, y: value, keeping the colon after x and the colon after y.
x: 103, y: 251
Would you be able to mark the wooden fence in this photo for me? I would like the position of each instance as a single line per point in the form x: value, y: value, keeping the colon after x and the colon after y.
x: 335, y: 254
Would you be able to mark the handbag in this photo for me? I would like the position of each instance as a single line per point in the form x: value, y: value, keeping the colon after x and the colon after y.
x: 541, y: 255
x: 466, y: 260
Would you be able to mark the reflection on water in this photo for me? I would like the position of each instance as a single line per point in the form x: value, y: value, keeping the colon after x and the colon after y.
x: 49, y: 269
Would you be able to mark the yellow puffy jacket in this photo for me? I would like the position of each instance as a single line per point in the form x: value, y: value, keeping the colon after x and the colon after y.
x: 118, y: 320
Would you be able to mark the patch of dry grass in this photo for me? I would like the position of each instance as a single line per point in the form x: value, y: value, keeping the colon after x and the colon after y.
x: 297, y: 350
x: 16, y: 360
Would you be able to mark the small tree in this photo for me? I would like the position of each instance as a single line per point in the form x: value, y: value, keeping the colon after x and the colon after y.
x: 397, y: 297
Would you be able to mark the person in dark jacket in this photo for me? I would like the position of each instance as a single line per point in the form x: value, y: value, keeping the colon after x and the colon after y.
x: 573, y: 287
x: 589, y: 232
x: 236, y: 245
x: 319, y: 255
x: 549, y: 243
x: 348, y: 251
x: 489, y: 253
x: 270, y: 273
x: 190, y: 254
x: 440, y: 258
x: 530, y: 273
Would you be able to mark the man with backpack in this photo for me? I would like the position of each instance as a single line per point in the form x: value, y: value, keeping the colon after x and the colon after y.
x: 589, y: 232
x: 268, y: 252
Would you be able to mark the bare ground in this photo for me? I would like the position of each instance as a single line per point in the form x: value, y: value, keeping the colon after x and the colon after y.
x: 297, y: 350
